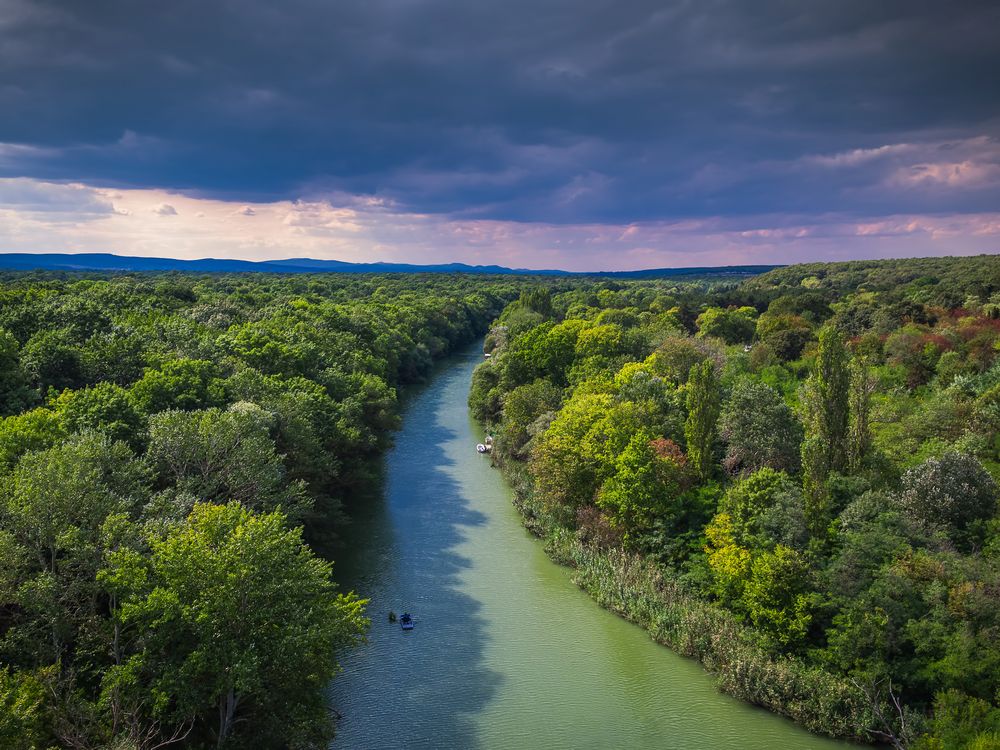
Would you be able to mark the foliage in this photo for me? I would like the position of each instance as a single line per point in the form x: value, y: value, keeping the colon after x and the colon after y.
x: 734, y: 326
x: 963, y: 723
x: 846, y: 539
x: 953, y: 493
x: 178, y: 384
x: 162, y: 438
x: 103, y: 407
x: 825, y: 449
x: 232, y: 616
x: 759, y: 430
x: 220, y: 456
x: 22, y: 711
x: 703, y: 413
x: 776, y: 596
x: 522, y: 407
x: 648, y: 480
x: 154, y: 426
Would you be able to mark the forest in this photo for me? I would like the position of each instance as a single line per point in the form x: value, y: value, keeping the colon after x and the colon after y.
x: 175, y: 456
x: 792, y: 479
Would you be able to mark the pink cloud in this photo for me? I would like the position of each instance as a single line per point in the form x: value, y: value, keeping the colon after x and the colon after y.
x: 38, y: 215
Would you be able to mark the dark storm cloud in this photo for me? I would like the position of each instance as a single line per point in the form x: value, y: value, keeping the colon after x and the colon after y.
x: 563, y: 110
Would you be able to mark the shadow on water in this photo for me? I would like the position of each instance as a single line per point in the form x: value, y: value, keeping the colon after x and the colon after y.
x: 507, y: 652
x: 422, y: 688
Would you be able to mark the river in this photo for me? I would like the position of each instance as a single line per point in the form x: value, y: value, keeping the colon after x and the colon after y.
x: 507, y: 652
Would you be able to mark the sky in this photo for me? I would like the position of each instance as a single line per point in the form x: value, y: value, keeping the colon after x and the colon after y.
x: 575, y: 134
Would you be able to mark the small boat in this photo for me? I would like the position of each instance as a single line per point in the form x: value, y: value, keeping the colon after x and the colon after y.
x: 482, y: 448
x: 406, y: 622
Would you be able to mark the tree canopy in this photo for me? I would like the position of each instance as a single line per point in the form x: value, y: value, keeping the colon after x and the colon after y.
x: 813, y: 451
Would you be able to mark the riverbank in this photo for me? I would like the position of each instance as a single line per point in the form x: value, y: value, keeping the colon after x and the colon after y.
x: 507, y: 652
x: 638, y: 591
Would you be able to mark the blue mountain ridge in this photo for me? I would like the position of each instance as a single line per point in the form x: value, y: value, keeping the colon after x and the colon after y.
x: 109, y: 262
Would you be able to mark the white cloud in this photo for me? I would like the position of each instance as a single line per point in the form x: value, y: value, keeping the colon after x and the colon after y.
x: 958, y: 164
x: 52, y: 199
x: 860, y: 156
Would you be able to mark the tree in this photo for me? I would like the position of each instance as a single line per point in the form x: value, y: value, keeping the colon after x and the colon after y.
x: 953, y: 493
x: 522, y: 406
x: 220, y: 456
x: 556, y: 352
x: 830, y: 385
x: 962, y: 722
x: 14, y: 392
x: 32, y: 430
x: 785, y: 334
x: 564, y: 460
x: 22, y: 711
x: 911, y: 348
x: 178, y: 384
x: 815, y: 472
x: 777, y: 598
x: 733, y: 325
x: 601, y: 342
x: 676, y: 355
x: 55, y: 508
x: 703, y: 413
x: 51, y: 359
x: 646, y: 485
x: 105, y: 407
x: 747, y: 502
x: 233, y: 619
x: 825, y: 449
x: 661, y: 404
x: 728, y: 560
x: 759, y: 430
x: 484, y: 394
x: 280, y: 346
x: 113, y: 356
x: 308, y: 429
x: 538, y: 299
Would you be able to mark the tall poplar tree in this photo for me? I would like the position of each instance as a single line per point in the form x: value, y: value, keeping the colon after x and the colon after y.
x: 825, y: 449
x: 703, y: 414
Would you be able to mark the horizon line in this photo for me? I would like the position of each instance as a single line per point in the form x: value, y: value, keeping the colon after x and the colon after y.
x: 439, y: 265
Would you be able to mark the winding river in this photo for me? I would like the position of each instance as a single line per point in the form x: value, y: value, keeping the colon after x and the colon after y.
x: 507, y: 652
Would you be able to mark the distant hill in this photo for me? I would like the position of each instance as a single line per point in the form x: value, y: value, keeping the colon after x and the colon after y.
x: 110, y: 262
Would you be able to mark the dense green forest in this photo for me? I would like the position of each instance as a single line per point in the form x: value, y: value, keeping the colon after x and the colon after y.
x: 175, y: 451
x: 793, y: 479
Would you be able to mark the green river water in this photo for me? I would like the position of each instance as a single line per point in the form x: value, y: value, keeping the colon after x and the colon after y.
x: 507, y: 652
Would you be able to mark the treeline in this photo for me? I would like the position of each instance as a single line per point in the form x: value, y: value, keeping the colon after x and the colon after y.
x: 170, y: 448
x: 941, y: 282
x: 793, y: 480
